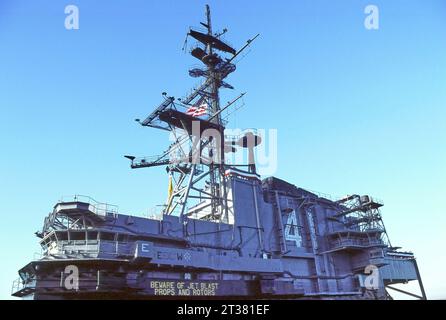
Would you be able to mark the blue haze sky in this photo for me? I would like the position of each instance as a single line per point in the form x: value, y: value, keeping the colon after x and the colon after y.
x: 357, y: 111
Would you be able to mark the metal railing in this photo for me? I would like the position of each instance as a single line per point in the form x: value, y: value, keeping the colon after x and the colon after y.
x: 18, y: 285
x: 241, y: 134
x: 155, y: 213
x: 38, y: 255
x: 99, y: 208
x: 322, y: 195
x: 151, y: 160
x: 354, y: 242
x: 92, y: 248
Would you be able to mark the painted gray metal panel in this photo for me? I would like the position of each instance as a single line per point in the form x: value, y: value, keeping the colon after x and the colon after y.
x: 398, y: 270
x: 249, y: 249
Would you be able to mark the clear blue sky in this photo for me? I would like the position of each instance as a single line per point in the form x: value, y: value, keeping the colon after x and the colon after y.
x: 357, y: 111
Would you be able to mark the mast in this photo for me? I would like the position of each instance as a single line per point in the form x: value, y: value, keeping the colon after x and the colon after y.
x: 198, y: 172
x: 217, y: 181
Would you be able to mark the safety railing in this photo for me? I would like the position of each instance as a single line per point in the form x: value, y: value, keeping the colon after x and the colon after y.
x: 155, y: 213
x: 91, y: 248
x: 354, y: 242
x: 19, y: 284
x: 99, y: 208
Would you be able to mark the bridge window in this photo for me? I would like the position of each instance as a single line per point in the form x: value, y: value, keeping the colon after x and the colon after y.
x: 77, y: 235
x: 92, y: 235
x: 108, y: 236
x: 62, y: 235
x: 122, y: 238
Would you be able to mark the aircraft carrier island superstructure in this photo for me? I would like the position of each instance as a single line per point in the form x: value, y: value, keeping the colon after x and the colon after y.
x: 223, y: 231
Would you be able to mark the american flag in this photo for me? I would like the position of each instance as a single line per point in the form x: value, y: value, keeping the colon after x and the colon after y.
x: 199, y: 109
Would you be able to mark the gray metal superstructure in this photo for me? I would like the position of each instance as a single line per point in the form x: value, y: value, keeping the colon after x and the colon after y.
x: 223, y: 231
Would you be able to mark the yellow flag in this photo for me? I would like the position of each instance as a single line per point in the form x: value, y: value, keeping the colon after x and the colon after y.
x: 169, y: 188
